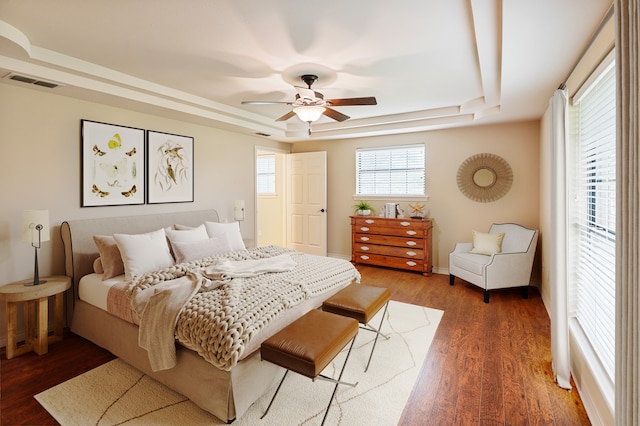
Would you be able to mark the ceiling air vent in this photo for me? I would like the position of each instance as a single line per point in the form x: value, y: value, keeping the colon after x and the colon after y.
x: 262, y: 134
x: 31, y: 80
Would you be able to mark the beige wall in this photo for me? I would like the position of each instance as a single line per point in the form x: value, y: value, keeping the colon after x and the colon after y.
x: 453, y: 214
x: 40, y: 139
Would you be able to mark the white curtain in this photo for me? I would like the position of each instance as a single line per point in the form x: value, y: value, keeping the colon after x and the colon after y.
x: 627, y: 404
x: 558, y: 255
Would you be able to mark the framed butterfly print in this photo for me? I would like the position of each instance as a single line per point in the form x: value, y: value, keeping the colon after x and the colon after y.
x: 169, y: 168
x: 113, y: 161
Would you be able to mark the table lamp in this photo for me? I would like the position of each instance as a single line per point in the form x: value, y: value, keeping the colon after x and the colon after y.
x: 35, y: 229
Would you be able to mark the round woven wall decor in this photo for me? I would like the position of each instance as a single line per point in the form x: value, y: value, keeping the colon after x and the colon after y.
x: 484, y: 177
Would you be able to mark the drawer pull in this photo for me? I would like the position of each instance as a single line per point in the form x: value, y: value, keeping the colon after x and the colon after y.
x: 411, y: 253
x: 364, y: 238
x: 411, y: 232
x: 364, y: 248
x: 364, y: 229
x: 405, y: 223
x: 369, y: 221
x: 364, y: 257
x: 411, y: 243
x: 410, y: 263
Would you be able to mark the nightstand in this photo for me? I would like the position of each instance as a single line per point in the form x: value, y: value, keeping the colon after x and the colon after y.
x: 36, y: 304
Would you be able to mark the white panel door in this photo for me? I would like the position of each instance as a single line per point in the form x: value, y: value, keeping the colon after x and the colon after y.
x: 307, y: 202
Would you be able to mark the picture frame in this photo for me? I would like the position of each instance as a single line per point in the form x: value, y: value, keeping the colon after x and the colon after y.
x: 112, y: 164
x: 170, y: 162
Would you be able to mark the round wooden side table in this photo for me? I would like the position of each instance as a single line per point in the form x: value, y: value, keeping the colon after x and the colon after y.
x: 36, y: 304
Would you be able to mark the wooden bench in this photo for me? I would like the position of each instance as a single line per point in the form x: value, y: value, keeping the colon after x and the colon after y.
x: 362, y: 303
x: 308, y: 345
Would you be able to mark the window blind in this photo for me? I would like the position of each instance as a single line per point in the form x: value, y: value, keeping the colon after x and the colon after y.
x: 593, y: 221
x: 393, y: 171
x: 266, y: 174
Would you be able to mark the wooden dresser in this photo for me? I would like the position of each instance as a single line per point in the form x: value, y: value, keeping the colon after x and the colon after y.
x: 396, y: 243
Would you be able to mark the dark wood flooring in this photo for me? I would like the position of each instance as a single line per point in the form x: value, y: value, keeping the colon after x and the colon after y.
x: 489, y: 364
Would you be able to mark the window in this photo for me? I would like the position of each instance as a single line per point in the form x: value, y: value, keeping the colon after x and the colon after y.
x: 396, y: 171
x: 266, y: 174
x: 592, y: 223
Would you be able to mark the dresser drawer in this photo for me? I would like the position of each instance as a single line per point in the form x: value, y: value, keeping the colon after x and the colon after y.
x: 390, y: 261
x: 381, y: 222
x: 408, y: 253
x: 388, y: 240
x: 391, y: 230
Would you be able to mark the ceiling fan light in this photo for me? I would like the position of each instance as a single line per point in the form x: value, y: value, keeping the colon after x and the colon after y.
x: 309, y: 113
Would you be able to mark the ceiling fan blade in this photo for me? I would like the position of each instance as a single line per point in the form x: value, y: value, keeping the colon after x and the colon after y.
x: 370, y: 100
x: 265, y: 102
x: 332, y: 113
x: 286, y: 116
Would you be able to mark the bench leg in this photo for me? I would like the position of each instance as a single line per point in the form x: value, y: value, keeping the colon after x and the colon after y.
x: 378, y: 333
x: 338, y: 381
x: 274, y: 395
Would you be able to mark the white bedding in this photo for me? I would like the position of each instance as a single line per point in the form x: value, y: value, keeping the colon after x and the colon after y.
x: 93, y: 290
x: 96, y: 292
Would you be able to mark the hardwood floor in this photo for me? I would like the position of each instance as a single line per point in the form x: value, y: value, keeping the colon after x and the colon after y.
x: 489, y: 364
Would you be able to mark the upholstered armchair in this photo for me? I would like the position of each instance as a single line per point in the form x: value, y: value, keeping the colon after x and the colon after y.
x: 502, y: 258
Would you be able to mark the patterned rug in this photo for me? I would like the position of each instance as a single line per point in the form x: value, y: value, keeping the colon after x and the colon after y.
x: 118, y: 394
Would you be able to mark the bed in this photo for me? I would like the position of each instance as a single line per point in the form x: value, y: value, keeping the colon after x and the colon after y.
x: 222, y: 387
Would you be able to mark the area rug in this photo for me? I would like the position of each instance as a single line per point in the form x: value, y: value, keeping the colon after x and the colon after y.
x: 118, y: 394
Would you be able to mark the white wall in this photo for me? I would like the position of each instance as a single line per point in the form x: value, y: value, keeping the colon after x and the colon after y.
x: 453, y: 214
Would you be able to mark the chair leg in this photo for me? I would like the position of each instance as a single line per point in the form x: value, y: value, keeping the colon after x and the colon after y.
x: 486, y: 296
x: 451, y: 279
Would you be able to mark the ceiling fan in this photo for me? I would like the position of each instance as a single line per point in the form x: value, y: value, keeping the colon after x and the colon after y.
x: 310, y: 105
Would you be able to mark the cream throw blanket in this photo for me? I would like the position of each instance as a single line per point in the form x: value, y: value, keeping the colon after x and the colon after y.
x: 218, y: 317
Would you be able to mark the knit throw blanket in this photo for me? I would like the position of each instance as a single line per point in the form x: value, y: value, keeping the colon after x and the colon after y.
x: 226, y: 312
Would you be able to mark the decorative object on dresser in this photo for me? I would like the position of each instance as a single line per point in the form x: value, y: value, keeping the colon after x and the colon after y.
x: 401, y: 243
x: 363, y: 208
x: 36, y: 300
x: 35, y: 220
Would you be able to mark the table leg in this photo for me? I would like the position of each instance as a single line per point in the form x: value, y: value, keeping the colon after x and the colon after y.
x: 29, y: 321
x: 41, y: 344
x: 12, y: 325
x: 58, y: 318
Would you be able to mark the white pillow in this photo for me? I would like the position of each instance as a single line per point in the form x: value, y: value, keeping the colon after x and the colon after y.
x: 143, y: 253
x: 232, y: 229
x: 487, y: 243
x: 194, y: 250
x: 198, y: 233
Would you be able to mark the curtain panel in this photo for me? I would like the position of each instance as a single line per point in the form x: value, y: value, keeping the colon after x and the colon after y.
x: 558, y: 255
x: 627, y: 381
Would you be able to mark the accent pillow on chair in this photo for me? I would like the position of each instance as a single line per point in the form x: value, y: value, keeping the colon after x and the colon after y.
x: 487, y: 243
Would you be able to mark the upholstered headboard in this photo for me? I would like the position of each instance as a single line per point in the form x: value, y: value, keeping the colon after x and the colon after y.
x: 80, y: 250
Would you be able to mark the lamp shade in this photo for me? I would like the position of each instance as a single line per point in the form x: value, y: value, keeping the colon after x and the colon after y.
x: 31, y: 219
x: 309, y: 113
